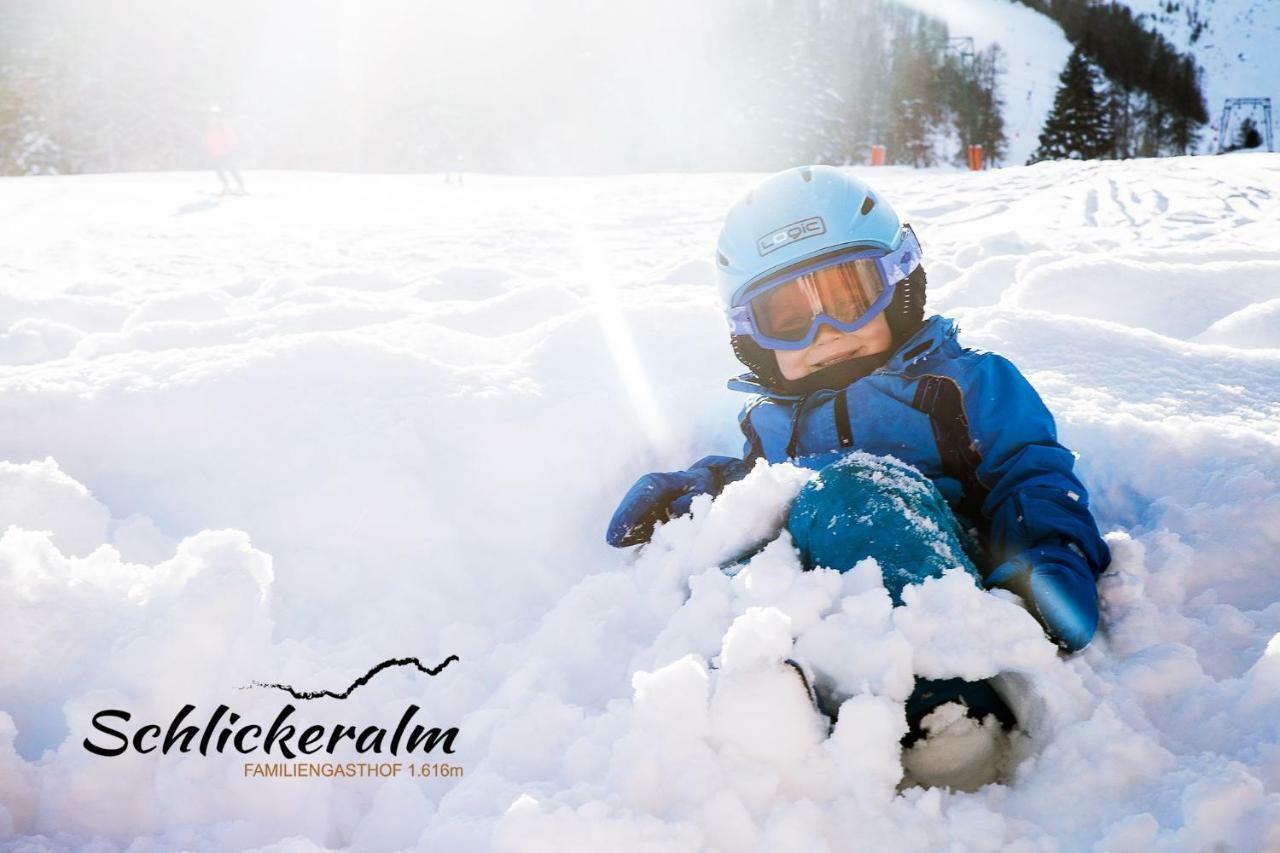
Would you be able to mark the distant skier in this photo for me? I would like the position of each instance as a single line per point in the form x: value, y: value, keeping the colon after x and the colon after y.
x: 824, y: 290
x: 222, y: 146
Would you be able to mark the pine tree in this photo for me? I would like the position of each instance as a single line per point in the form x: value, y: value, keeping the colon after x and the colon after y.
x: 972, y: 94
x: 990, y: 129
x: 1119, y: 102
x: 28, y: 137
x: 1077, y: 128
x: 913, y: 86
x: 1247, y: 136
x: 27, y: 145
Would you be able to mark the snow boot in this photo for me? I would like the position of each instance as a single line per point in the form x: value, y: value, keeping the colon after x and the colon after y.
x: 978, y: 698
x: 958, y: 734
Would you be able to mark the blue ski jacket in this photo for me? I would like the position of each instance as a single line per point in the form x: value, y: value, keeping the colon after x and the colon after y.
x: 972, y: 423
x: 966, y: 418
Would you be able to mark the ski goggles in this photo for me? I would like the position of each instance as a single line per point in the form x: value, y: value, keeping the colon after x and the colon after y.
x: 844, y: 290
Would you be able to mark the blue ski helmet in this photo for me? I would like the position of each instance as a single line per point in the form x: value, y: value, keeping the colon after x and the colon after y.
x: 792, y: 218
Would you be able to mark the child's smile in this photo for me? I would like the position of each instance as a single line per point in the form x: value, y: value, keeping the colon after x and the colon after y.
x: 830, y: 347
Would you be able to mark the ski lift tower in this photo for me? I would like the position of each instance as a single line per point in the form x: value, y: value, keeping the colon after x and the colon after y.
x: 962, y: 46
x: 1245, y: 105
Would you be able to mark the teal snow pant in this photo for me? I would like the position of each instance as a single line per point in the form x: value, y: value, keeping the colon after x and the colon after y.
x: 874, y: 506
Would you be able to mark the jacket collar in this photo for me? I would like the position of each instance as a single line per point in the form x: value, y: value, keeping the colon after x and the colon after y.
x: 932, y: 334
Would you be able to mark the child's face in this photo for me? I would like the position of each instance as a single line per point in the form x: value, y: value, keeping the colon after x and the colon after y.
x: 830, y: 346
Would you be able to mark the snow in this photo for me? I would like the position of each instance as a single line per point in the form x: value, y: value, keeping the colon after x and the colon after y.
x: 347, y: 418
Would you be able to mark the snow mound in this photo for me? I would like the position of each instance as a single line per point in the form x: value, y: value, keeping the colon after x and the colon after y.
x: 1256, y: 325
x: 720, y: 747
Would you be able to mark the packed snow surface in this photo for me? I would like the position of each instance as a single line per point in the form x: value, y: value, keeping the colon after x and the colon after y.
x: 285, y: 437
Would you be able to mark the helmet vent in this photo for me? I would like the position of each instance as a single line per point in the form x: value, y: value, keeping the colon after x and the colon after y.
x: 721, y: 259
x: 868, y: 203
x: 807, y: 174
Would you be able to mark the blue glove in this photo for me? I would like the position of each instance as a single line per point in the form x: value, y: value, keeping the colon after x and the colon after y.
x: 1059, y: 589
x: 656, y: 498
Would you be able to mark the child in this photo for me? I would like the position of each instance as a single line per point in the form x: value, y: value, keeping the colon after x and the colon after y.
x: 824, y: 291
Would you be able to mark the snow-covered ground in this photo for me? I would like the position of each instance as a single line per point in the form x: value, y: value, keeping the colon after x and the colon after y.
x: 348, y: 418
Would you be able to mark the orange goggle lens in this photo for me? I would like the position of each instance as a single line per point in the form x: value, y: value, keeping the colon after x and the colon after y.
x: 843, y: 292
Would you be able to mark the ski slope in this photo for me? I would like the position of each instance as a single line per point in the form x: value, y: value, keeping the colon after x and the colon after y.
x: 1035, y: 52
x: 1236, y: 52
x: 348, y: 418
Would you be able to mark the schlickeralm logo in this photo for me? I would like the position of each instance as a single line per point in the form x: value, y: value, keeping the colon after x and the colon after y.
x: 225, y: 730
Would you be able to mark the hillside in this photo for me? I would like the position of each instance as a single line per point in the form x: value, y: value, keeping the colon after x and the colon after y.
x: 1035, y: 52
x: 1234, y: 41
